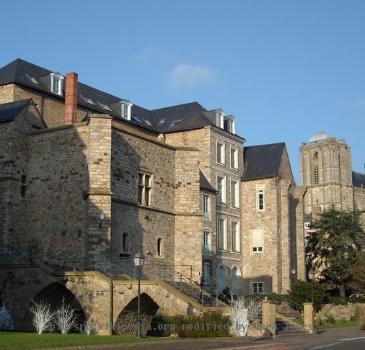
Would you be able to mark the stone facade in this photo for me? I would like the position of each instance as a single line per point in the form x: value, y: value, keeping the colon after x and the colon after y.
x: 326, y: 172
x: 88, y: 196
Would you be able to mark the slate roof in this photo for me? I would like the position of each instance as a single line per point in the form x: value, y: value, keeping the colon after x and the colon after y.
x: 8, y: 111
x: 358, y: 179
x: 182, y: 117
x: 205, y: 184
x: 262, y: 161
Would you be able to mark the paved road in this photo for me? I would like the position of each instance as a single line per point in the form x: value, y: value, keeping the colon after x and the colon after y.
x: 334, y: 339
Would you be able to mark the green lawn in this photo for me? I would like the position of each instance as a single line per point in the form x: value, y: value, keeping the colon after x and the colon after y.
x: 24, y: 341
x: 337, y: 324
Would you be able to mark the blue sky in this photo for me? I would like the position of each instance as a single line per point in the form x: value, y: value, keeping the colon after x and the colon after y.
x: 285, y: 69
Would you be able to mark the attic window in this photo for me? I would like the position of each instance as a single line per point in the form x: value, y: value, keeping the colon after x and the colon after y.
x: 230, y: 125
x: 87, y: 100
x: 57, y: 83
x: 175, y: 122
x: 137, y: 119
x: 125, y: 110
x: 161, y: 121
x: 147, y: 122
x: 220, y: 119
x: 104, y: 106
x: 32, y: 79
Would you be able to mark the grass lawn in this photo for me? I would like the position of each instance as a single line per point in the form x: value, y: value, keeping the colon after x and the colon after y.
x: 24, y: 341
x: 323, y: 324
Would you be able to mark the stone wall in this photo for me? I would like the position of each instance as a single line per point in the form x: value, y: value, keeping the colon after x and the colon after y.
x: 7, y: 93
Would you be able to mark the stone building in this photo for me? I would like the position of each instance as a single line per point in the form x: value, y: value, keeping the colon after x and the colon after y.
x: 88, y: 179
x: 326, y: 172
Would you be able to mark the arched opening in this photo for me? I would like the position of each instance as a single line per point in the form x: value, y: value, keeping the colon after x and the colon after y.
x: 54, y: 294
x: 126, y: 323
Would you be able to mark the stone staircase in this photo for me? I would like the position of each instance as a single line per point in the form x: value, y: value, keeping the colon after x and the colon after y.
x: 286, y: 326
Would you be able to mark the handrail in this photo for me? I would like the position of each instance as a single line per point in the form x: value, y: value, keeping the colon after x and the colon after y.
x: 282, y: 298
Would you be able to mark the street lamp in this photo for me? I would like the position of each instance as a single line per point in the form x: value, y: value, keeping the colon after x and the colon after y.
x: 138, y: 262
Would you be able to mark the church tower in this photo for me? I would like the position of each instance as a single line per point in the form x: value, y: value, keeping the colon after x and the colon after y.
x: 325, y: 169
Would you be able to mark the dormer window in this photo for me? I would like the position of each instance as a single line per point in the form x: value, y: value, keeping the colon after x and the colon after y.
x: 126, y: 110
x: 220, y: 119
x: 230, y: 124
x: 57, y: 83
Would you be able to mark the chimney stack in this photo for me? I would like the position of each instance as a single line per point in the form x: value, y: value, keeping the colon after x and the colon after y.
x: 71, y: 94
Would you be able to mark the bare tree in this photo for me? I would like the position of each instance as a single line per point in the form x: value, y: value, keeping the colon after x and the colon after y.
x: 42, y: 316
x: 65, y: 317
x: 6, y: 321
x: 243, y: 311
x: 88, y: 327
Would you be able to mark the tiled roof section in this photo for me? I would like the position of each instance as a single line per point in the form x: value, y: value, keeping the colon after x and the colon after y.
x: 187, y: 116
x: 358, y: 179
x: 262, y: 161
x: 205, y: 184
x: 170, y: 119
x: 9, y: 111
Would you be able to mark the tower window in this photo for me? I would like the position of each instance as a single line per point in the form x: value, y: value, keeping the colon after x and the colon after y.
x: 316, y: 174
x: 260, y: 200
x: 144, y: 189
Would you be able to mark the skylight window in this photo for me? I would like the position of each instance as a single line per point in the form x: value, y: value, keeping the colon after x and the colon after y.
x: 175, y: 122
x: 161, y: 121
x: 32, y: 79
x: 137, y: 119
x: 104, y: 106
x: 87, y: 100
x: 57, y: 83
x: 147, y: 122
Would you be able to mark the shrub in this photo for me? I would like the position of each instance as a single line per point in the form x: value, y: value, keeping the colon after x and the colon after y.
x: 303, y: 292
x: 330, y: 319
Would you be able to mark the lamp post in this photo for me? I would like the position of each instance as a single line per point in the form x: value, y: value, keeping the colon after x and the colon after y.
x: 311, y: 277
x: 138, y: 262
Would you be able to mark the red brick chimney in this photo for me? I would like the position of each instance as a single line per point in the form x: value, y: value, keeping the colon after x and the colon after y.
x: 71, y: 95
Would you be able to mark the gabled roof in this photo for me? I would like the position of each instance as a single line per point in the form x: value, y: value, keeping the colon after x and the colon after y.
x: 9, y: 111
x: 262, y: 161
x: 182, y: 117
x: 205, y: 184
x: 358, y: 179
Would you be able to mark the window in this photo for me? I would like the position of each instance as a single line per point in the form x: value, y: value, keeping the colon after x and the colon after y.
x: 206, y: 206
x: 229, y: 124
x: 220, y: 119
x: 125, y: 110
x: 234, y: 158
x: 144, y: 189
x: 236, y: 241
x: 206, y: 242
x: 56, y: 83
x: 257, y: 241
x: 220, y: 153
x: 260, y: 199
x: 222, y: 234
x: 159, y: 247
x: 235, y: 194
x: 206, y: 273
x: 315, y: 174
x: 23, y: 186
x: 257, y: 287
x: 125, y: 242
x: 222, y: 191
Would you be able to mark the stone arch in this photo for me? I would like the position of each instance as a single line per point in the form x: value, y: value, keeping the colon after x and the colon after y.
x: 53, y: 294
x: 127, y: 319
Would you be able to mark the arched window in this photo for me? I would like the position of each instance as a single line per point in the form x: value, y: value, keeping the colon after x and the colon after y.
x: 206, y: 273
x: 221, y: 276
x: 235, y: 284
x: 125, y: 243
